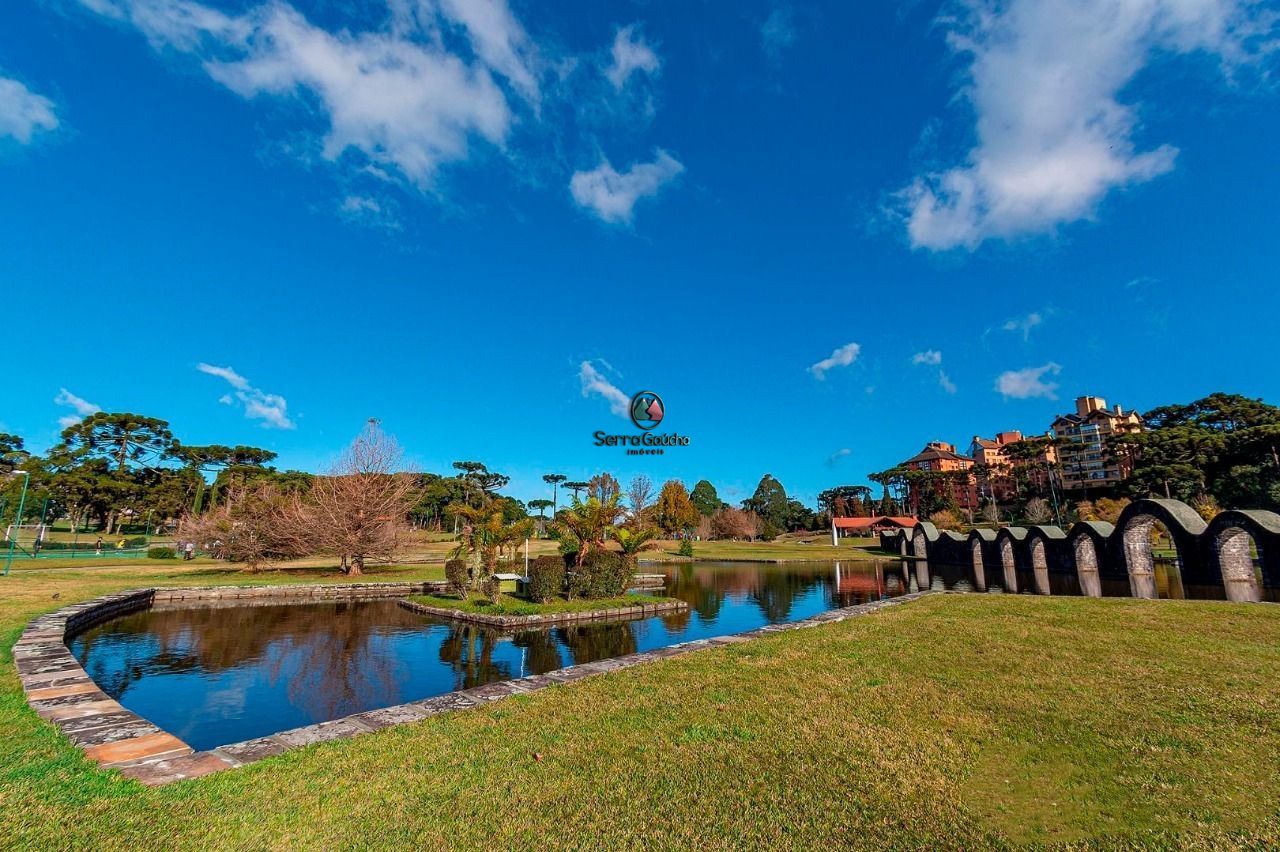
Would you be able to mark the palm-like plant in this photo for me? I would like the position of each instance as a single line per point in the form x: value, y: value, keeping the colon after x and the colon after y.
x: 590, y: 522
x: 632, y: 541
x: 486, y: 534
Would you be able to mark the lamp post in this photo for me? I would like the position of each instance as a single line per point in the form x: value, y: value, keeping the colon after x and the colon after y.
x: 22, y: 503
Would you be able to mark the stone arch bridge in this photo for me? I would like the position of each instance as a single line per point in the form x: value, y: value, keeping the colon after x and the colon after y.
x: 1093, y: 555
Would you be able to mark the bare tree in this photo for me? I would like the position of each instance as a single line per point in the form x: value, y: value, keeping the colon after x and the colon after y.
x: 358, y: 511
x: 244, y: 527
x: 734, y: 524
x: 640, y: 498
x: 1037, y: 511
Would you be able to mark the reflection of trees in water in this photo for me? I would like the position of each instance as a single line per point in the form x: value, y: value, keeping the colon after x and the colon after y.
x: 775, y: 588
x: 777, y: 592
x: 468, y: 650
x: 676, y: 620
x: 326, y: 651
x: 542, y: 652
x: 590, y: 642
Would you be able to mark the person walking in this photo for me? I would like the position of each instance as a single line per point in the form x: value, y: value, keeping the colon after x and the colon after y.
x: 97, y: 547
x: 189, y: 552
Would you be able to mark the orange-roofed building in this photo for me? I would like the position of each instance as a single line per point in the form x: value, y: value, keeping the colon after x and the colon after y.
x: 998, y: 469
x: 939, y: 456
x: 864, y: 527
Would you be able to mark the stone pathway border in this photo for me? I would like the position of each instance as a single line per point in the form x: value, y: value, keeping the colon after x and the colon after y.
x: 514, y: 622
x: 60, y: 691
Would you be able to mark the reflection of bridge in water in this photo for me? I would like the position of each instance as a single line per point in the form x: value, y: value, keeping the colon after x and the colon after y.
x: 1093, y: 558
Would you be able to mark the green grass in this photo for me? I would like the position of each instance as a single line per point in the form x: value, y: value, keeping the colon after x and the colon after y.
x: 513, y: 605
x: 758, y: 551
x: 955, y: 722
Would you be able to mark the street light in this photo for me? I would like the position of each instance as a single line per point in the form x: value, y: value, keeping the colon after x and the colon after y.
x: 22, y: 503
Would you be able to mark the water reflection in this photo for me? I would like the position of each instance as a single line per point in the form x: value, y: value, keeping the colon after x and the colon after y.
x: 217, y: 675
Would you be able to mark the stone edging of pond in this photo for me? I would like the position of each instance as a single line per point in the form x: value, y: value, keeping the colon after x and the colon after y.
x: 514, y: 622
x: 61, y: 692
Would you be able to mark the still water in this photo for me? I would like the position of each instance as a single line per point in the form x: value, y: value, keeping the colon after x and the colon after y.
x: 218, y: 675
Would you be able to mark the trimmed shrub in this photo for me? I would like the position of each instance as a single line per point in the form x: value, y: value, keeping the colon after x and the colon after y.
x: 606, y: 574
x: 686, y: 547
x: 162, y: 553
x: 457, y: 577
x: 578, y: 582
x: 546, y: 578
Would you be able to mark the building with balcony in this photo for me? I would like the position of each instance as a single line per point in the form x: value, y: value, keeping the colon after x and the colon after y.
x: 1086, y: 452
x: 1001, y: 464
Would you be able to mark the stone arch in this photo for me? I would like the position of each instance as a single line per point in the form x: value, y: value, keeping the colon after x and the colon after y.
x: 1134, y: 533
x: 981, y: 542
x: 925, y: 535
x: 1009, y: 544
x: 1088, y: 543
x: 1227, y: 541
x: 1041, y: 540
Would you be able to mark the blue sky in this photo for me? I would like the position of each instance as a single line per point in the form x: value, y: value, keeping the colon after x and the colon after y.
x: 824, y: 233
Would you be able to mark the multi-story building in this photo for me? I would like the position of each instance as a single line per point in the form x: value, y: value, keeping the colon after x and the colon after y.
x: 1000, y: 468
x: 1084, y: 449
x: 941, y: 457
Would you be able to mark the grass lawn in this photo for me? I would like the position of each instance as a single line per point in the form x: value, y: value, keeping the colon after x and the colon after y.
x: 952, y: 722
x: 512, y: 605
x: 760, y: 551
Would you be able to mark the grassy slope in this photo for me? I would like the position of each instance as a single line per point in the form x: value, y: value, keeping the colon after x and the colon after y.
x: 512, y: 605
x: 951, y: 722
x: 759, y: 551
x: 436, y: 549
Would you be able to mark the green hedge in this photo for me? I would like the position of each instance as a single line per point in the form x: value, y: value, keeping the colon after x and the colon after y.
x: 162, y: 553
x: 602, y: 574
x: 546, y: 578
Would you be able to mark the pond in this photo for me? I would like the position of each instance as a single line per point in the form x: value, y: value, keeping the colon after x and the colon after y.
x: 218, y: 675
x: 215, y: 675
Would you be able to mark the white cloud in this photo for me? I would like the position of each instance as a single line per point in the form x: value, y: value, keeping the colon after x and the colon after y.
x: 778, y: 32
x: 23, y: 112
x: 1044, y: 81
x: 499, y: 40
x: 398, y: 99
x: 595, y: 382
x: 932, y: 357
x: 835, y: 457
x: 1029, y: 383
x: 369, y: 211
x: 83, y: 408
x: 630, y: 54
x: 612, y: 195
x: 233, y: 378
x: 272, y: 409
x: 1024, y: 324
x: 841, y: 357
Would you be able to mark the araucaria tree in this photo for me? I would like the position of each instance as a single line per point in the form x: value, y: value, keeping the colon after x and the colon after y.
x: 358, y: 511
